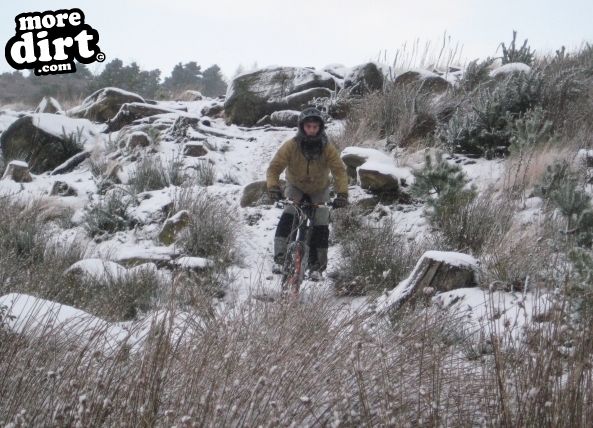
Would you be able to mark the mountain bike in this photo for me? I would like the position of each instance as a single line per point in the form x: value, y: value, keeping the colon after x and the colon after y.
x: 297, y: 250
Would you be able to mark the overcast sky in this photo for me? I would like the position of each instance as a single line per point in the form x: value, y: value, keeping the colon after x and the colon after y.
x: 159, y: 34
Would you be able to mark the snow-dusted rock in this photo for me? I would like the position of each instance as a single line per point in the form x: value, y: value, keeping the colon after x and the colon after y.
x: 190, y: 95
x: 213, y: 110
x: 173, y: 226
x: 106, y: 271
x: 47, y: 140
x: 104, y: 104
x: 130, y: 112
x: 428, y: 80
x: 193, y: 263
x: 434, y: 271
x: 288, y: 118
x: 183, y: 127
x: 511, y: 68
x: 376, y: 171
x: 71, y: 163
x: 138, y: 139
x: 39, y: 318
x: 337, y: 70
x: 256, y: 193
x: 585, y: 156
x: 363, y: 78
x: 17, y: 171
x: 96, y: 269
x: 114, y: 172
x: 194, y: 149
x: 49, y: 105
x: 254, y: 94
x: 61, y: 188
x: 132, y: 255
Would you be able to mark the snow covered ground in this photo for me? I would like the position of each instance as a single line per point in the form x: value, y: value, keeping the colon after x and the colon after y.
x: 241, y: 153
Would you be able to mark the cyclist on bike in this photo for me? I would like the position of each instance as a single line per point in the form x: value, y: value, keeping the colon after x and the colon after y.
x: 308, y: 158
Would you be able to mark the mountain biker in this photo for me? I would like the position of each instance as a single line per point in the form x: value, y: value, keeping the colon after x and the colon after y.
x: 308, y: 157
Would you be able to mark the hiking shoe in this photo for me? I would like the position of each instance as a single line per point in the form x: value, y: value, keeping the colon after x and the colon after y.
x: 277, y: 268
x: 315, y: 275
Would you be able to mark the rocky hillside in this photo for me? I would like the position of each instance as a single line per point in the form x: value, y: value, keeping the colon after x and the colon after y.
x: 123, y: 213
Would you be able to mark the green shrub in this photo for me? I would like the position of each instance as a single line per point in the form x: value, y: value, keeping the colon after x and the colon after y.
x: 109, y: 214
x: 511, y: 54
x: 464, y: 220
x: 152, y: 174
x: 374, y: 258
x: 475, y: 74
x: 530, y: 130
x: 22, y: 232
x: 213, y: 228
x: 117, y: 298
x: 437, y: 176
x: 205, y: 173
x: 485, y: 126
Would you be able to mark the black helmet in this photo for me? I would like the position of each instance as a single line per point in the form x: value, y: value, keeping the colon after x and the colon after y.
x: 311, y: 113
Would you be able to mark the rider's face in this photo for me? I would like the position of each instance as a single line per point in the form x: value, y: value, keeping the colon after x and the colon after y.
x: 311, y: 128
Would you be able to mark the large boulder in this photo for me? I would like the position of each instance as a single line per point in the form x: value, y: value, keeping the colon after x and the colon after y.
x: 299, y: 100
x: 427, y: 80
x: 256, y: 193
x: 376, y: 171
x: 129, y: 112
x: 182, y: 127
x: 339, y: 71
x: 364, y: 78
x: 213, y: 110
x: 45, y: 140
x: 252, y: 95
x: 378, y: 179
x: 138, y: 139
x: 190, y: 95
x: 422, y: 125
x: 287, y: 118
x: 104, y: 104
x: 436, y: 271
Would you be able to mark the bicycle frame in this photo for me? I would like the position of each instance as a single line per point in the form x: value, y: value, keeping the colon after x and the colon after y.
x: 297, y: 251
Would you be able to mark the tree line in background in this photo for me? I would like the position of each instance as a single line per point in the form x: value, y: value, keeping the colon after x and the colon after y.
x: 30, y: 89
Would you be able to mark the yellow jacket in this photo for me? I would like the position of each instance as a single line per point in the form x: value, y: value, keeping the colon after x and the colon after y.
x: 311, y: 176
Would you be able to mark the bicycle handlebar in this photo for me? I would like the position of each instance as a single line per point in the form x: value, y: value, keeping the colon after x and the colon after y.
x: 291, y: 202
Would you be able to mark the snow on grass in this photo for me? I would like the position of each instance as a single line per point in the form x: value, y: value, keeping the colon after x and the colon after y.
x: 486, y: 313
x: 37, y: 318
x: 43, y: 319
x: 513, y: 67
x: 97, y: 269
x: 193, y: 262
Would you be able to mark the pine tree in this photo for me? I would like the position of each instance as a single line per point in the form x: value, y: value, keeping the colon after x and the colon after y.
x: 183, y: 77
x: 437, y: 177
x: 213, y: 83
